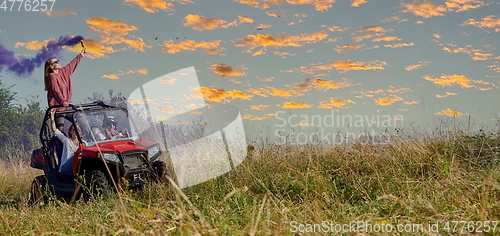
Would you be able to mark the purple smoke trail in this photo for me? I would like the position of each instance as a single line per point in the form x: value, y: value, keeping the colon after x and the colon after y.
x: 25, y: 66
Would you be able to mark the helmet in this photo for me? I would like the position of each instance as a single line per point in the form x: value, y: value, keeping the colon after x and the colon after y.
x: 108, y: 120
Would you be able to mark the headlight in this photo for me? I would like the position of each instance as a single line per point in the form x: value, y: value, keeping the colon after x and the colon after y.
x: 109, y: 156
x: 152, y: 151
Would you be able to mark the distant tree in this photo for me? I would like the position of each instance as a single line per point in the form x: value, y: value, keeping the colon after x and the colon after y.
x: 7, y: 113
x: 113, y: 99
x: 19, y: 125
x: 32, y: 118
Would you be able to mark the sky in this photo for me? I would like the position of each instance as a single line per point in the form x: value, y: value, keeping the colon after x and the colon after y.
x: 288, y: 65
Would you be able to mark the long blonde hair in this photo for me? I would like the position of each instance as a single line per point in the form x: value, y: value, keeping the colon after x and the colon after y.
x: 47, y: 71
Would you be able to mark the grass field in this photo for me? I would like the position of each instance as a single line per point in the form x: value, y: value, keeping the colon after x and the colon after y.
x: 446, y: 185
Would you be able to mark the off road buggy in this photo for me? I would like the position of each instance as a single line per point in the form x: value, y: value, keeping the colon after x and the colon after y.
x: 99, y: 167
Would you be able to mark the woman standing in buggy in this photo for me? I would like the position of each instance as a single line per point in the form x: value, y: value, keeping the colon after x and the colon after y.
x: 57, y: 81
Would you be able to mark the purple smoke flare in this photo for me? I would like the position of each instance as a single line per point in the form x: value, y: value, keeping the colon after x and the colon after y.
x: 24, y: 67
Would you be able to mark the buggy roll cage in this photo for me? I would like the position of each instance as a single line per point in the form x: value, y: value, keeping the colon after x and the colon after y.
x: 97, y: 105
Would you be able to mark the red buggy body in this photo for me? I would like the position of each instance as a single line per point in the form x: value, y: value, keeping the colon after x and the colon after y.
x: 98, y: 166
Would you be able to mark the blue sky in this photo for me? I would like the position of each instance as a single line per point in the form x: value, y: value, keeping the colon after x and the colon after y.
x: 424, y: 61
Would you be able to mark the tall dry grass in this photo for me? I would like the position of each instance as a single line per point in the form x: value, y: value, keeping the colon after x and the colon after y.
x: 420, y: 180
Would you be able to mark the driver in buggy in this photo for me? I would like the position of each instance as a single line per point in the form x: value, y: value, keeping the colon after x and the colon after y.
x: 110, y: 132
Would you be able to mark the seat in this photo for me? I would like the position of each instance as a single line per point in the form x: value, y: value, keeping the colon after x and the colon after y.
x: 97, y: 133
x: 56, y: 147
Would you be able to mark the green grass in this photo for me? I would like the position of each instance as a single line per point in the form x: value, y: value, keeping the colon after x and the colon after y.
x: 416, y: 181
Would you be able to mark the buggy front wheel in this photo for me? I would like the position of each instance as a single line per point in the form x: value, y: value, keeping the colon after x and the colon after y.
x: 97, y: 185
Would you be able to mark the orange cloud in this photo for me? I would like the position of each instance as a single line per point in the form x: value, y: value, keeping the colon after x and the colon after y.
x: 380, y: 31
x: 449, y: 112
x: 55, y: 13
x: 411, y: 103
x: 200, y: 23
x: 134, y: 101
x: 344, y: 48
x: 252, y: 117
x: 358, y: 38
x: 417, y: 66
x: 294, y: 105
x: 225, y: 70
x: 282, y: 92
x: 283, y: 54
x: 319, y: 5
x: 462, y: 81
x: 275, y: 13
x: 271, y: 91
x: 221, y: 95
x: 495, y: 67
x: 334, y: 103
x: 266, y: 40
x: 109, y: 27
x: 475, y: 54
x: 33, y: 45
x: 117, y: 75
x: 436, y: 37
x: 386, y: 39
x: 388, y: 92
x: 303, y: 123
x: 291, y: 18
x: 375, y: 91
x: 168, y: 80
x: 390, y: 95
x: 447, y: 94
x: 343, y: 66
x: 337, y: 28
x: 320, y: 84
x: 261, y: 4
x: 397, y: 90
x: 259, y: 107
x: 385, y: 101
x: 425, y: 9
x: 263, y: 26
x: 167, y: 109
x: 265, y: 79
x: 487, y: 22
x: 396, y: 19
x: 153, y: 6
x: 357, y: 3
x: 214, y: 52
x: 373, y: 28
x: 244, y: 19
x: 464, y: 5
x: 113, y: 32
x: 191, y: 45
x: 94, y: 49
x: 398, y: 45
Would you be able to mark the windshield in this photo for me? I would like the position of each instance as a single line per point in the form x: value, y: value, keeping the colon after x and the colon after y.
x: 100, y: 126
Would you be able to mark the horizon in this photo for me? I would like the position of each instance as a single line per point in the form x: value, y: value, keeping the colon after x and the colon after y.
x: 423, y: 63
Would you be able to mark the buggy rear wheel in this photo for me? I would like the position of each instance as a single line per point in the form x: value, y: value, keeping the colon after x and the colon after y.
x: 38, y: 191
x: 97, y: 185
